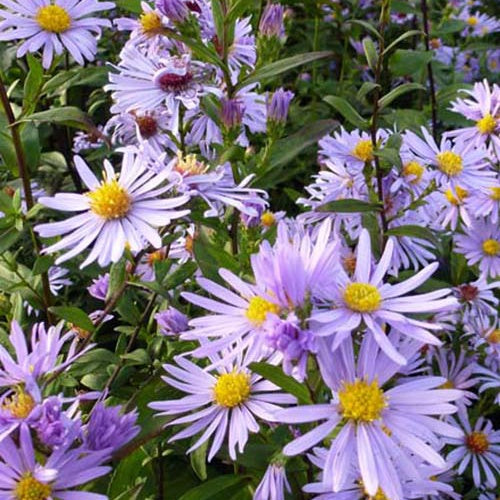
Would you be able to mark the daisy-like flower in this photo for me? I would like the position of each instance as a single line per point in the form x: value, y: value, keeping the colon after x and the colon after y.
x: 479, y: 447
x: 477, y: 298
x: 490, y: 380
x: 54, y: 25
x: 366, y: 298
x: 382, y: 426
x: 122, y: 210
x: 483, y: 107
x: 456, y: 164
x: 17, y: 408
x: 273, y: 484
x: 23, y: 477
x: 485, y: 202
x: 478, y: 24
x: 225, y: 401
x: 451, y: 207
x: 480, y: 244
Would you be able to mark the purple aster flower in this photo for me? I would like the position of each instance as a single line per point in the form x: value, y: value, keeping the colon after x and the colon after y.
x: 468, y: 64
x: 366, y: 298
x: 18, y: 407
x: 271, y: 23
x: 382, y: 426
x: 278, y: 104
x: 477, y: 298
x: 490, y: 380
x: 109, y: 428
x: 54, y: 26
x: 99, y: 287
x: 231, y: 113
x: 221, y: 402
x: 85, y: 141
x: 478, y: 447
x: 242, y: 51
x: 176, y: 10
x: 480, y: 244
x: 171, y: 321
x: 485, y: 202
x: 119, y: 211
x: 273, y: 484
x: 23, y: 477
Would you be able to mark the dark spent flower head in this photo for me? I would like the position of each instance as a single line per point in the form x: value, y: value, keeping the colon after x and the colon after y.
x: 271, y: 22
x: 278, y: 105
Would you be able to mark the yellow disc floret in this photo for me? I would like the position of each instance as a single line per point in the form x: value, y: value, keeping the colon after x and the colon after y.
x: 362, y: 297
x: 450, y: 163
x: 363, y: 150
x: 258, y: 308
x: 487, y: 124
x: 110, y: 200
x: 457, y: 196
x: 232, y: 389
x: 494, y: 336
x: 414, y: 170
x: 362, y: 401
x: 29, y: 488
x: 53, y: 18
x: 19, y: 405
x: 472, y: 21
x: 150, y: 23
x: 495, y: 193
x: 491, y: 247
x: 267, y: 219
x: 189, y: 165
x: 477, y: 442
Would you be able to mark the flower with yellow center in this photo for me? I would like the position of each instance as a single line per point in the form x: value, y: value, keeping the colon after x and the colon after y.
x: 150, y: 23
x: 53, y: 18
x: 110, y: 200
x: 189, y: 165
x: 456, y: 197
x: 495, y: 193
x: 487, y: 124
x: 477, y: 442
x: 29, y: 488
x: 362, y: 401
x: 472, y: 21
x: 363, y: 150
x: 450, y: 163
x: 258, y: 309
x: 232, y: 389
x: 362, y: 297
x: 19, y: 405
x: 268, y: 219
x: 491, y: 247
x: 415, y: 170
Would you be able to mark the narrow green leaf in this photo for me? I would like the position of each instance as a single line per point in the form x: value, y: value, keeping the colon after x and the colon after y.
x: 8, y: 238
x: 397, y: 92
x: 408, y: 62
x: 370, y: 53
x: 276, y: 68
x: 349, y: 206
x: 413, y: 231
x: 347, y: 111
x: 367, y: 26
x: 180, y: 275
x: 213, y: 487
x: 32, y: 84
x: 117, y: 276
x: 275, y: 375
x: 218, y: 16
x: 399, y: 39
x: 65, y: 115
x: 73, y: 315
x: 390, y: 155
x: 366, y: 88
x: 42, y: 264
x: 198, y: 459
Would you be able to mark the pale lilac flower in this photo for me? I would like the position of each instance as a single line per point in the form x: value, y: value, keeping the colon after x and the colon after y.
x: 221, y: 402
x: 480, y: 244
x: 242, y: 51
x: 271, y: 22
x: 176, y: 10
x: 273, y: 484
x: 478, y: 24
x: 278, y: 104
x: 485, y: 202
x: 54, y: 26
x: 85, y: 141
x: 116, y: 212
x: 366, y: 298
x: 99, y: 287
x: 477, y: 298
x: 490, y: 380
x: 171, y: 321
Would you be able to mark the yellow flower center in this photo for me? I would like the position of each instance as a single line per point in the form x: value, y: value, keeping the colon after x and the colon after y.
x: 472, y: 21
x: 487, y: 124
x: 267, y: 219
x: 363, y: 150
x: 495, y: 193
x: 29, y: 488
x: 361, y: 401
x: 189, y: 165
x: 258, y: 308
x: 150, y: 23
x: 362, y: 297
x: 460, y: 193
x: 415, y: 170
x: 19, y: 405
x: 110, y: 200
x: 447, y: 385
x: 491, y: 247
x: 494, y: 337
x: 477, y: 442
x: 231, y: 389
x: 449, y: 163
x: 53, y: 18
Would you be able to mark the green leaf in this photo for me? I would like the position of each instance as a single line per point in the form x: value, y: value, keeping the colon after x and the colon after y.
x: 399, y: 39
x: 8, y: 238
x: 180, y: 275
x: 367, y: 26
x: 408, y: 62
x: 413, y: 231
x: 390, y: 155
x: 218, y: 17
x: 213, y: 487
x: 8, y: 153
x: 32, y: 84
x: 65, y: 115
x: 42, y: 264
x: 370, y: 53
x: 366, y: 88
x: 397, y: 92
x: 130, y: 5
x: 346, y: 110
x: 117, y: 276
x: 275, y: 375
x: 31, y: 145
x: 198, y: 459
x: 349, y: 205
x: 73, y: 315
x: 276, y: 68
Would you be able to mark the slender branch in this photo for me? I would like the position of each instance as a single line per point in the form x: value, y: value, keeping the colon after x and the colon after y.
x: 28, y: 194
x: 432, y: 88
